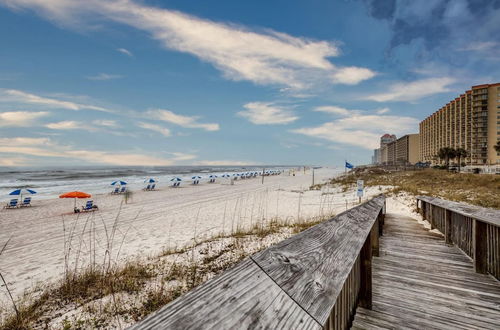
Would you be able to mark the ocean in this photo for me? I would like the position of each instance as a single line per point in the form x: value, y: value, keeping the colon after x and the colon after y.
x: 53, y: 181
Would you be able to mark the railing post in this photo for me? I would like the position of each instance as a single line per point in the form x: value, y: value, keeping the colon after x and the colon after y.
x: 480, y: 246
x: 431, y: 216
x: 447, y: 227
x: 423, y: 205
x: 374, y: 238
x: 365, y: 290
x: 381, y: 219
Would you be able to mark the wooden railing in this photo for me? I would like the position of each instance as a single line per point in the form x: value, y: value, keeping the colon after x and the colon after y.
x: 313, y: 280
x: 475, y: 230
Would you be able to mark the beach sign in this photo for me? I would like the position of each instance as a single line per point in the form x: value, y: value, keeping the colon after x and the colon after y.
x: 359, y: 191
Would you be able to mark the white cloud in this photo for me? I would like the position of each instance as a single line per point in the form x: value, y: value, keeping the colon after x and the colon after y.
x: 336, y: 110
x: 44, y: 147
x: 104, y: 76
x: 261, y: 113
x: 382, y: 111
x: 105, y: 123
x: 362, y: 130
x: 65, y: 125
x: 480, y: 46
x: 12, y: 95
x: 183, y: 121
x: 412, y: 91
x: 156, y: 128
x: 264, y: 57
x: 352, y: 75
x: 13, y: 161
x: 180, y: 156
x: 224, y: 162
x: 20, y: 118
x: 125, y: 51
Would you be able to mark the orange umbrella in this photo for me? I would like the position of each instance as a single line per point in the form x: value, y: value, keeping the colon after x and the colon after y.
x: 75, y: 195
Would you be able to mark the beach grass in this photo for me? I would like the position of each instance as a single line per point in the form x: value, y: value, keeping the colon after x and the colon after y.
x: 481, y: 190
x: 117, y: 295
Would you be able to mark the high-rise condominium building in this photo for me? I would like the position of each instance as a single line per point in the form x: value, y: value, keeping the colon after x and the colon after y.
x: 471, y: 121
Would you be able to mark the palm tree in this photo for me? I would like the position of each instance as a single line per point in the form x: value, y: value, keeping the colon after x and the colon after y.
x: 446, y: 153
x: 460, y: 153
x: 497, y: 146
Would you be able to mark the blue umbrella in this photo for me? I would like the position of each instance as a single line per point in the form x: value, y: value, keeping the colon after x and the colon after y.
x: 213, y: 176
x: 121, y: 183
x: 225, y: 175
x: 20, y: 192
x: 196, y: 177
x: 150, y: 180
x: 176, y: 179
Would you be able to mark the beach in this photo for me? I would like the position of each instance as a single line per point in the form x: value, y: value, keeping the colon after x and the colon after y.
x: 48, y: 239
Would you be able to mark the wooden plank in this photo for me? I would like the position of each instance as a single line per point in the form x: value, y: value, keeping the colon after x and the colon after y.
x: 312, y: 266
x: 480, y: 245
x: 242, y: 297
x: 365, y: 291
x: 491, y: 216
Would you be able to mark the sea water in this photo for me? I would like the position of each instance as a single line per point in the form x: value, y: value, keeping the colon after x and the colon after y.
x: 53, y: 181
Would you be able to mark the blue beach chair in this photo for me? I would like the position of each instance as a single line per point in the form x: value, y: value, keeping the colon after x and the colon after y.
x: 116, y: 191
x: 153, y: 186
x: 26, y: 202
x: 122, y: 191
x: 89, y: 206
x: 12, y: 204
x: 148, y: 187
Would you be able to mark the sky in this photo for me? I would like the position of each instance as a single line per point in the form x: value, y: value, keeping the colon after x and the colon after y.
x: 224, y: 82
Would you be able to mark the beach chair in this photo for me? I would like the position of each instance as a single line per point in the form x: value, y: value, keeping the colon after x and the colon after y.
x: 116, y: 191
x: 122, y: 191
x: 89, y: 206
x: 148, y: 187
x: 26, y: 202
x: 153, y: 186
x: 12, y: 204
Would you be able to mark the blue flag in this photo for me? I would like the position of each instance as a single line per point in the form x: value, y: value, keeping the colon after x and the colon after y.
x: 348, y: 165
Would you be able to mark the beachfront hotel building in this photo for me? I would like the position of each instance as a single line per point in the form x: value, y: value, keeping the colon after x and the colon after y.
x: 470, y: 121
x: 408, y: 149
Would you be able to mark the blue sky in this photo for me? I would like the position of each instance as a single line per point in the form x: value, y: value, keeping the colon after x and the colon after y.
x: 150, y: 82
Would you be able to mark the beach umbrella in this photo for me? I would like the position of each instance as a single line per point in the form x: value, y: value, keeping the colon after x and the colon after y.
x: 119, y: 182
x: 226, y: 175
x: 75, y: 195
x: 196, y: 177
x: 212, y: 176
x: 150, y: 180
x: 21, y: 192
x: 176, y: 179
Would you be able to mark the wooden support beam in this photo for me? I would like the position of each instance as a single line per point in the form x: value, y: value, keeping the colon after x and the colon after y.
x: 480, y: 246
x: 448, y: 229
x: 365, y: 290
x: 381, y: 218
x: 374, y: 238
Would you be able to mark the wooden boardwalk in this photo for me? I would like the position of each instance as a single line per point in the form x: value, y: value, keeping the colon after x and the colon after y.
x: 419, y: 282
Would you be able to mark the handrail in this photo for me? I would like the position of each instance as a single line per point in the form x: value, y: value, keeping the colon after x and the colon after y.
x: 313, y: 280
x: 475, y: 230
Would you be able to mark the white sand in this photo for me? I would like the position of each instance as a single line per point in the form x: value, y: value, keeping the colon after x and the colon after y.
x: 171, y: 217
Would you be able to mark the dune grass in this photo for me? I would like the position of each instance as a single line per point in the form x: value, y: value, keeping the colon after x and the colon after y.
x: 482, y: 190
x: 103, y: 296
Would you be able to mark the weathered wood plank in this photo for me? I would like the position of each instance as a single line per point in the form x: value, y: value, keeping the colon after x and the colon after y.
x: 312, y: 266
x: 242, y: 298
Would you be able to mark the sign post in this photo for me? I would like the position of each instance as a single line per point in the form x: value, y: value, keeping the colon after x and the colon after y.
x: 359, y: 190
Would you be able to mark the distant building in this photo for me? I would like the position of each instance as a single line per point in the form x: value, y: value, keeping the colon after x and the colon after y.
x: 391, y: 153
x: 408, y: 149
x: 386, y: 139
x: 380, y: 156
x: 471, y: 121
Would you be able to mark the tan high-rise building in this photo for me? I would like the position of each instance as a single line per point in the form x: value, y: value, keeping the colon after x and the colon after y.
x: 471, y: 121
x: 408, y: 149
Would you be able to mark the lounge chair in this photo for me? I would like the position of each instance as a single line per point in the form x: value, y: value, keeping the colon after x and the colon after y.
x: 116, y: 191
x: 12, y: 204
x: 26, y: 202
x: 148, y: 187
x: 89, y: 207
x: 122, y: 191
x: 153, y: 186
